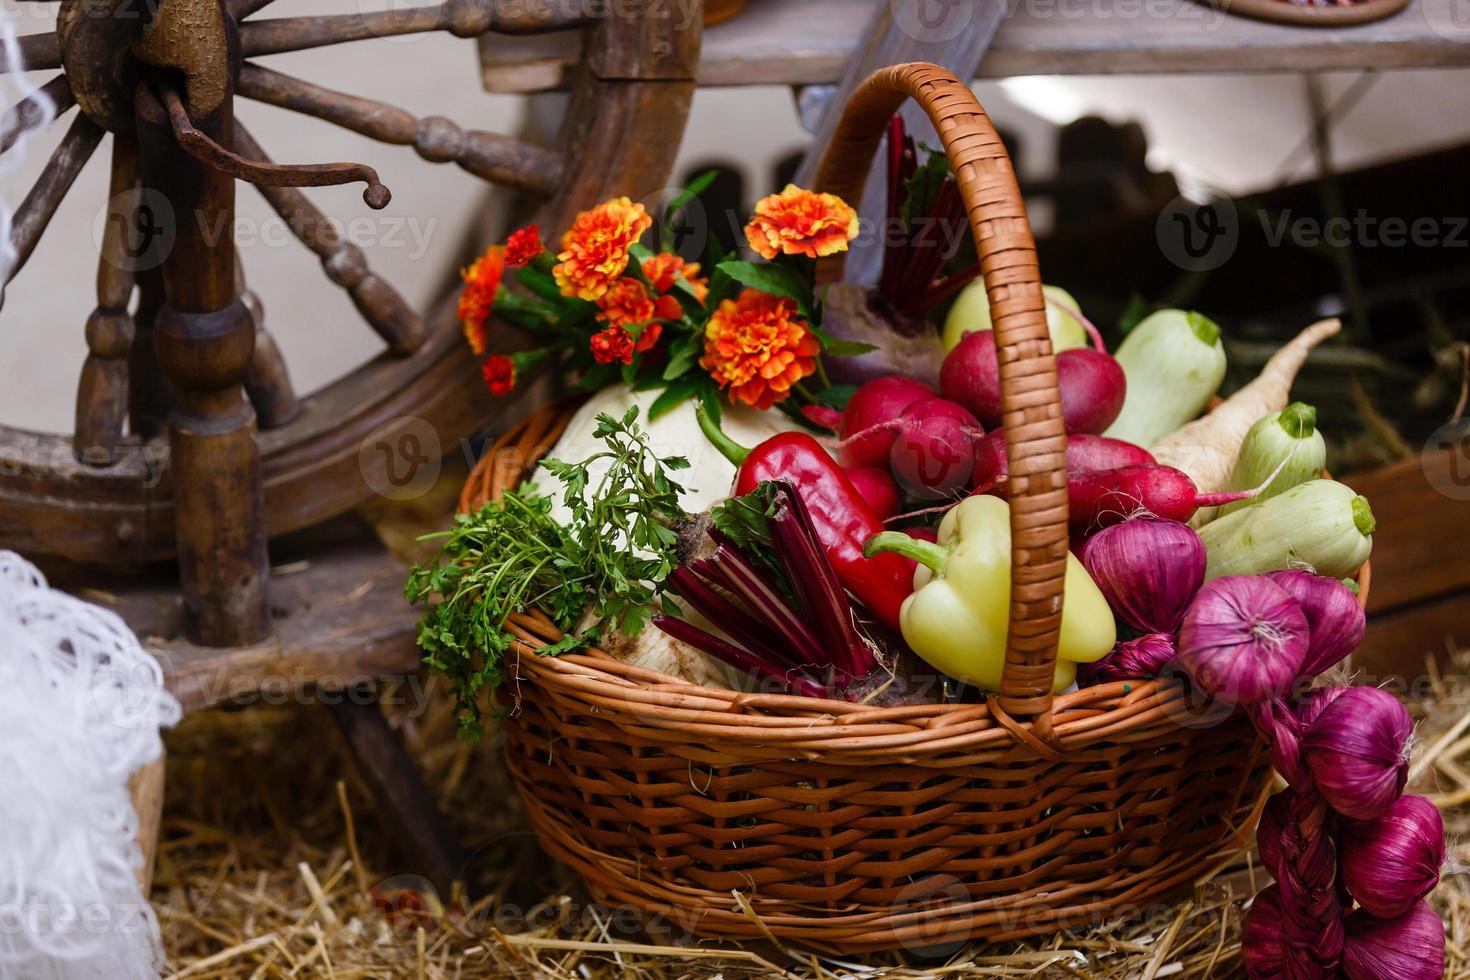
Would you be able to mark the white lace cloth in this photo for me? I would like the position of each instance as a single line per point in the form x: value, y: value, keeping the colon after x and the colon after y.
x: 81, y: 705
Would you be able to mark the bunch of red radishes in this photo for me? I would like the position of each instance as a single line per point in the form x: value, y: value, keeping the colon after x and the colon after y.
x: 898, y: 438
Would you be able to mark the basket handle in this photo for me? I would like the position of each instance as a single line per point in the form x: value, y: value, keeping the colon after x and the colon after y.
x: 1036, y: 441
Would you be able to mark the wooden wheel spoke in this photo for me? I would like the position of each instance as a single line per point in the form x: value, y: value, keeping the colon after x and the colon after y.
x: 490, y: 156
x: 102, y: 394
x: 27, y: 114
x: 267, y: 382
x: 37, y: 53
x: 240, y: 9
x: 379, y: 303
x: 462, y: 18
x: 35, y: 212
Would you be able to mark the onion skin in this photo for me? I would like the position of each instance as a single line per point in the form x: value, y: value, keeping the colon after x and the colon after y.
x: 1334, y: 618
x: 1267, y: 946
x: 1410, y: 947
x: 1135, y: 659
x: 1356, y: 750
x: 1268, y: 832
x: 1148, y: 568
x: 1243, y: 639
x: 1390, y: 863
x: 1314, y: 702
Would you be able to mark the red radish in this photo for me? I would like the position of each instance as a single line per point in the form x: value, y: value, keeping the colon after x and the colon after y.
x: 1105, y: 497
x: 880, y: 400
x: 933, y: 452
x: 823, y: 416
x: 1092, y: 383
x: 877, y: 488
x: 1092, y: 386
x: 1085, y: 453
x: 970, y: 376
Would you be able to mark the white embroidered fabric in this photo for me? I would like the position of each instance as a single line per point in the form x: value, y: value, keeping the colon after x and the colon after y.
x: 81, y: 705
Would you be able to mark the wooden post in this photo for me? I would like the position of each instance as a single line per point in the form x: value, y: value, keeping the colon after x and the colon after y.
x: 204, y: 339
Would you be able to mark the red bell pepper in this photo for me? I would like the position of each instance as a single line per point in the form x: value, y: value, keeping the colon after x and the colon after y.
x: 844, y: 522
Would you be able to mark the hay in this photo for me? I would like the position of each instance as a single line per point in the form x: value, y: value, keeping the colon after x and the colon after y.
x: 274, y: 863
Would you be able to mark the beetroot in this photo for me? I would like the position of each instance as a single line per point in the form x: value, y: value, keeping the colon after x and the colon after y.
x: 1092, y: 387
x: 933, y: 452
x: 970, y: 376
x: 880, y: 400
x: 877, y: 488
x: 1091, y: 382
x: 1085, y: 453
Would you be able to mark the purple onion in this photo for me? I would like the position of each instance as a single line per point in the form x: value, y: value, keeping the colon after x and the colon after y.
x: 1410, y: 947
x: 1335, y: 621
x: 1243, y: 639
x: 1133, y: 659
x: 1148, y: 569
x: 1357, y: 750
x: 1391, y: 862
x: 1314, y: 702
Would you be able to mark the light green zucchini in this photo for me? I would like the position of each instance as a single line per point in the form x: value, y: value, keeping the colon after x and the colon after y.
x: 1290, y: 434
x: 1321, y: 525
x: 1174, y: 363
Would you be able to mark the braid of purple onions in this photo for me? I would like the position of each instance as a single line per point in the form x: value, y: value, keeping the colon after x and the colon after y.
x: 1342, y: 833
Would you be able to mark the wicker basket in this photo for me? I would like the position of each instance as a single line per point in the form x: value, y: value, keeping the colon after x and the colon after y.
x: 853, y: 828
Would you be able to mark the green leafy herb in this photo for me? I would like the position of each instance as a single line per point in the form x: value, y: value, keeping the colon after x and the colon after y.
x: 778, y: 280
x: 746, y: 522
x: 612, y: 557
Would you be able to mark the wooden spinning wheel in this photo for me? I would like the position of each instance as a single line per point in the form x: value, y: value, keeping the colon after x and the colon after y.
x: 190, y: 364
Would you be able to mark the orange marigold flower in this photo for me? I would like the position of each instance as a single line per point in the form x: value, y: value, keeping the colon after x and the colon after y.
x: 649, y: 337
x: 661, y: 269
x: 758, y: 347
x: 612, y: 346
x: 481, y: 283
x: 594, y: 251
x: 667, y: 307
x: 801, y: 222
x: 626, y: 301
x: 499, y: 372
x: 523, y: 245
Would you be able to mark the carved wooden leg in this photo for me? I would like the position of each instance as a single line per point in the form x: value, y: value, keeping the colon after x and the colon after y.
x: 204, y: 338
x: 423, y: 836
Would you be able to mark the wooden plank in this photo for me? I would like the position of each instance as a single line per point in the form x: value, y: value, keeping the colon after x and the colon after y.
x: 1397, y: 644
x: 892, y: 38
x: 1422, y: 507
x: 777, y: 42
x: 339, y: 620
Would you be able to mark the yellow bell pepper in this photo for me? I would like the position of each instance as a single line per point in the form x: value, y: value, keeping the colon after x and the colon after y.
x: 958, y: 615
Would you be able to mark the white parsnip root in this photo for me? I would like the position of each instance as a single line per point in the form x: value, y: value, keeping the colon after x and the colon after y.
x: 1206, y: 448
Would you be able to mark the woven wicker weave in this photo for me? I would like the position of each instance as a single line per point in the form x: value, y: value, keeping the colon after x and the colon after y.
x: 853, y: 828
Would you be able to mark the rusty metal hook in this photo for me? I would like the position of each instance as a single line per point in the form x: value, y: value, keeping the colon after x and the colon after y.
x: 207, y: 151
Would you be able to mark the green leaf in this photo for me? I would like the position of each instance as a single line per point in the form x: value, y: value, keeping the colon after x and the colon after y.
x: 672, y: 397
x: 922, y: 188
x: 846, y: 348
x: 778, y: 280
x: 692, y: 190
x: 682, y: 355
x: 836, y: 396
